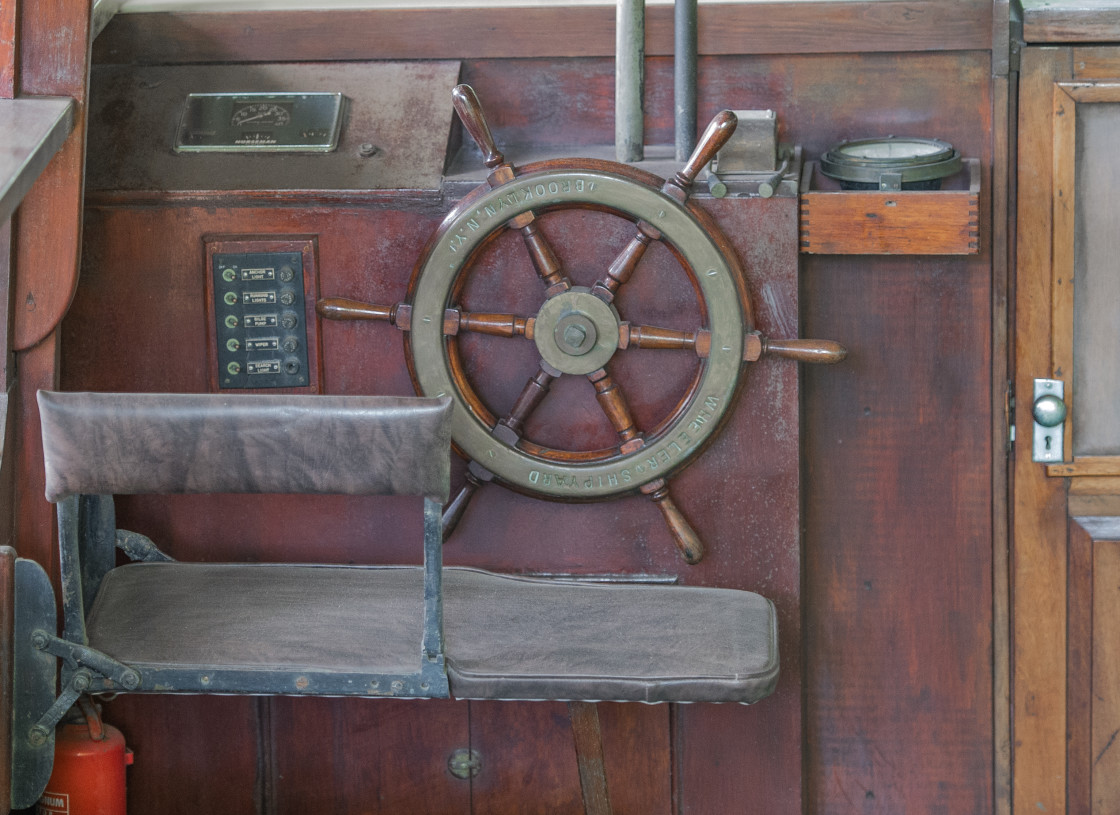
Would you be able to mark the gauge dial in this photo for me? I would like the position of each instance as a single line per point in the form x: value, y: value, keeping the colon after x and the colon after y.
x: 891, y: 163
x: 261, y: 114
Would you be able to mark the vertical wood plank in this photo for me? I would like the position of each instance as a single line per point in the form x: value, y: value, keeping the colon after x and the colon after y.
x: 9, y: 49
x: 54, y: 46
x: 7, y: 624
x: 381, y: 757
x: 1038, y: 509
x: 1079, y: 671
x: 1105, y: 753
x: 193, y: 754
x: 1063, y: 206
x: 1004, y: 114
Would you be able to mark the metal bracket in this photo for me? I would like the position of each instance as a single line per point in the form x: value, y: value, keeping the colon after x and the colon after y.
x: 141, y: 547
x: 78, y: 657
x: 42, y: 730
x: 1048, y: 409
x: 33, y: 684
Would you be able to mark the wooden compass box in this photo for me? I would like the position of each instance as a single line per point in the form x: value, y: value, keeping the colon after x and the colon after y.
x: 876, y: 222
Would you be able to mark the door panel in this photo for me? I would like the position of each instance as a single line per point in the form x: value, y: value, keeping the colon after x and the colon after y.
x: 1067, y: 326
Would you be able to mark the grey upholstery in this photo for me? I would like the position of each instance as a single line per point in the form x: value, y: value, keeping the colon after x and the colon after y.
x: 101, y: 443
x: 373, y: 631
x: 507, y: 637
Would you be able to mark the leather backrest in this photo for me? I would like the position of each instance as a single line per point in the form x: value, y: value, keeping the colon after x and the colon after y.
x: 122, y: 443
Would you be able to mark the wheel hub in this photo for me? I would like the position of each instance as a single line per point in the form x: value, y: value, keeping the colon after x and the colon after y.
x: 576, y: 332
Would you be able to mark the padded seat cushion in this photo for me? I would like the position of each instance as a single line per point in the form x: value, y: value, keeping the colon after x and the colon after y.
x: 507, y: 637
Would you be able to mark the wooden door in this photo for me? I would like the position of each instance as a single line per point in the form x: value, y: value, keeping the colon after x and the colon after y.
x: 1066, y: 522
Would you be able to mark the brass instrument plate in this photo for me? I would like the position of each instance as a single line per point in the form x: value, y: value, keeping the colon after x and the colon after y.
x: 260, y: 123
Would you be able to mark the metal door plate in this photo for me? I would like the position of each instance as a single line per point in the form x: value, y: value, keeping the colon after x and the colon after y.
x: 1048, y: 443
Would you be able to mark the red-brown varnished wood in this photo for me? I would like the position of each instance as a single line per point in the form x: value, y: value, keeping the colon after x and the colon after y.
x: 529, y: 762
x: 35, y: 536
x: 9, y: 50
x: 897, y: 601
x: 897, y: 511
x: 856, y: 222
x: 383, y: 758
x: 212, y: 742
x: 54, y: 60
x: 558, y: 31
x: 588, y: 738
x: 361, y: 255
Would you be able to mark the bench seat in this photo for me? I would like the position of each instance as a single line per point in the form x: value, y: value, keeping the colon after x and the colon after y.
x: 507, y: 637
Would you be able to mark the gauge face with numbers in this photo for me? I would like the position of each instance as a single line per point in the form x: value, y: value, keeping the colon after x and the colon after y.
x: 260, y: 122
x: 891, y: 160
x: 262, y: 114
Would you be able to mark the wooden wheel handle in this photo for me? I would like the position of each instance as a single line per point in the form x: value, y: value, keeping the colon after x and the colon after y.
x: 466, y: 104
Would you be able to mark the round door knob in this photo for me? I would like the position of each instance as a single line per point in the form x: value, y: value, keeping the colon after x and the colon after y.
x: 1049, y: 410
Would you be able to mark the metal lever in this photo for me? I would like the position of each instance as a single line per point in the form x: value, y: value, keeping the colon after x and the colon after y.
x: 1049, y: 412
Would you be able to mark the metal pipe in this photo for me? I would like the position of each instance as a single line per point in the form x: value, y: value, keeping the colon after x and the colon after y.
x: 684, y: 76
x: 629, y: 80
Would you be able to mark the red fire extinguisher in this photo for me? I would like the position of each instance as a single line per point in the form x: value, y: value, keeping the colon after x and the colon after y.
x: 89, y: 761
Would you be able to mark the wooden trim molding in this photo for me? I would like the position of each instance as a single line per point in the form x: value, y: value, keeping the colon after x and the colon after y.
x: 816, y: 26
x: 1071, y: 22
x: 1039, y: 524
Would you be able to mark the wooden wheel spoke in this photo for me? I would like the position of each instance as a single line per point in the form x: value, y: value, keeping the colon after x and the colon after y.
x: 466, y: 104
x: 649, y: 336
x: 623, y: 266
x: 684, y: 536
x: 613, y: 402
x: 498, y: 325
x: 678, y: 188
x: 346, y: 310
x: 715, y: 136
x: 535, y: 390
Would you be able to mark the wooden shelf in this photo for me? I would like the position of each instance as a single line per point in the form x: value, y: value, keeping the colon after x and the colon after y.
x: 872, y: 222
x: 32, y: 129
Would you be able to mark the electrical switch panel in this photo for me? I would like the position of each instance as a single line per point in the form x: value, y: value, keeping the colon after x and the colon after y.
x: 262, y: 303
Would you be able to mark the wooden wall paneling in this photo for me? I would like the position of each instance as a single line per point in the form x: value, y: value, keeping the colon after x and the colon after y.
x: 528, y: 758
x: 1093, y: 666
x: 1005, y: 79
x: 380, y: 757
x: 1079, y: 670
x: 54, y: 60
x: 367, y: 254
x: 1038, y: 505
x: 1070, y: 22
x: 551, y: 31
x: 9, y: 60
x: 194, y: 754
x: 1105, y: 740
x: 898, y: 591
x: 1095, y: 62
x: 7, y: 625
x: 1063, y: 218
x: 897, y: 585
x: 54, y: 57
x: 9, y: 50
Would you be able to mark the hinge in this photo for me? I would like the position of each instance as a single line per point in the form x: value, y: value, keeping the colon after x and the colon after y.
x: 1009, y: 415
